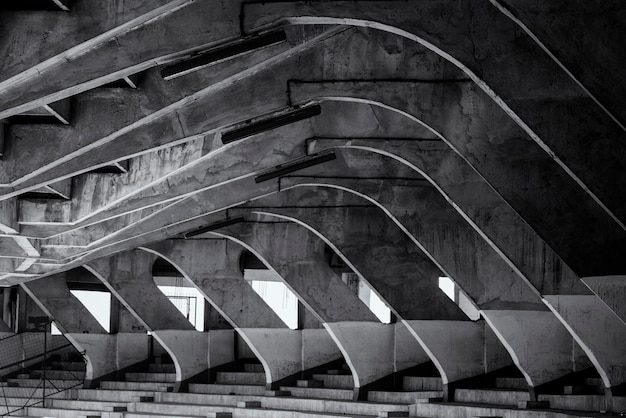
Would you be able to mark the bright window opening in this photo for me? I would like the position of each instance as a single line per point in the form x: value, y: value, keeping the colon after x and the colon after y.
x: 189, y: 301
x: 448, y: 287
x: 54, y: 330
x: 367, y: 296
x: 275, y: 293
x: 98, y: 304
x: 458, y: 296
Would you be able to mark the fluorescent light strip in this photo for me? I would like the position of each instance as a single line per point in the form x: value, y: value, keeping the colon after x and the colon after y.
x: 222, y: 53
x: 300, y: 164
x: 272, y: 123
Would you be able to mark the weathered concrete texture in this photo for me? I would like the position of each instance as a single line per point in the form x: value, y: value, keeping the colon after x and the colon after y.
x: 407, y: 280
x: 318, y: 348
x: 129, y: 278
x: 461, y: 119
x: 221, y: 347
x: 213, y: 266
x: 37, y: 36
x: 506, y: 232
x: 279, y: 350
x: 107, y: 354
x: 427, y: 218
x: 538, y: 343
x: 460, y: 349
x: 518, y: 68
x: 408, y: 352
x: 80, y: 72
x: 559, y: 24
x: 189, y: 350
x: 612, y: 291
x: 598, y: 330
x: 55, y: 299
x: 367, y: 348
x: 297, y: 255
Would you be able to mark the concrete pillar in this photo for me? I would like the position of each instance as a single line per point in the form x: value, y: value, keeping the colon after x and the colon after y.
x: 298, y: 257
x: 105, y: 353
x: 213, y: 265
x: 7, y: 312
x: 454, y: 357
x: 456, y: 131
x: 474, y: 266
x: 128, y: 276
x: 54, y: 298
x: 598, y: 330
x: 407, y: 278
x: 612, y: 291
x: 508, y: 79
x: 541, y: 347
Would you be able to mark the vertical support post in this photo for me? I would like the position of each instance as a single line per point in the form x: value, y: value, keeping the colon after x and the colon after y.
x: 43, y: 363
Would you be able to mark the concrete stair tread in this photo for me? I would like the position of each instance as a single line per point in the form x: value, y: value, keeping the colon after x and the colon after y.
x: 243, y: 378
x: 61, y: 412
x: 319, y: 393
x: 337, y: 381
x: 251, y: 411
x: 418, y: 383
x: 405, y: 397
x: 140, y: 386
x: 507, y: 397
x: 284, y: 403
x: 151, y: 377
x: 226, y: 389
x: 495, y: 410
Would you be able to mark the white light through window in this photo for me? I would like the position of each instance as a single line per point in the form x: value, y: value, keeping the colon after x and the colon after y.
x: 98, y: 304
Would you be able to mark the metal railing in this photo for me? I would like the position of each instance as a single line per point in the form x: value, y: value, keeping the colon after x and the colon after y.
x: 31, y: 351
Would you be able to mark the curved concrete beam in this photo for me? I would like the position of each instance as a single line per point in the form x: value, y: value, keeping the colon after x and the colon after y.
x: 519, y: 67
x: 129, y: 278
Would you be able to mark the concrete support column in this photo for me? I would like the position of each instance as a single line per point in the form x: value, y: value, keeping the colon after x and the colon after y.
x: 407, y: 281
x: 598, y: 330
x: 468, y: 259
x: 612, y: 291
x: 459, y: 349
x: 213, y: 266
x: 541, y: 347
x: 105, y: 353
x: 128, y: 276
x: 298, y: 257
x: 55, y: 299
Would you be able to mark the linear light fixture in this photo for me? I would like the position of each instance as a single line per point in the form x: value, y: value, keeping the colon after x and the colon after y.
x: 263, y: 125
x: 214, y: 226
x: 222, y: 53
x: 299, y: 164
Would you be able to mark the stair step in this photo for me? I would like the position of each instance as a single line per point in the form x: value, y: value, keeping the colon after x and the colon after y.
x: 122, y: 396
x: 518, y: 383
x: 62, y: 413
x: 440, y: 410
x: 320, y: 393
x: 491, y: 396
x: 402, y: 397
x: 253, y: 368
x: 282, y: 403
x: 335, y: 381
x: 227, y: 389
x: 419, y: 383
x: 242, y: 378
x: 150, y: 377
x: 161, y: 368
x: 142, y: 386
x: 50, y: 383
x: 310, y: 383
x: 104, y: 406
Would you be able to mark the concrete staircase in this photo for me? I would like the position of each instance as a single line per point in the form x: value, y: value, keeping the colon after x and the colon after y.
x: 27, y: 387
x: 242, y: 393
